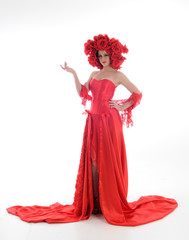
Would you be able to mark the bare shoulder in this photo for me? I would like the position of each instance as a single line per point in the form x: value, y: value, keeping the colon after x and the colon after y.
x: 90, y: 78
x: 92, y: 75
x: 122, y: 78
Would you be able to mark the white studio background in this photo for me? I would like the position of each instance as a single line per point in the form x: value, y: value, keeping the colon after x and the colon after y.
x: 41, y: 121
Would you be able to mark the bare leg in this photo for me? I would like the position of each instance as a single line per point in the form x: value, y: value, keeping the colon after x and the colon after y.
x: 95, y: 177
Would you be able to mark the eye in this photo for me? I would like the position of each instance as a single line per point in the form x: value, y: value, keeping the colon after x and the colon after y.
x: 104, y: 55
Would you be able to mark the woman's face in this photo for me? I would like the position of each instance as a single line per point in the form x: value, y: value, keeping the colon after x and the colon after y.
x: 104, y: 58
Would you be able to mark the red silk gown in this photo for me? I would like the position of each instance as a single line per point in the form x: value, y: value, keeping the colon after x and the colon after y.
x: 103, y: 142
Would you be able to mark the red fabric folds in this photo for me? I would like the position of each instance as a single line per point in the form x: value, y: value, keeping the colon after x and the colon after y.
x: 103, y: 143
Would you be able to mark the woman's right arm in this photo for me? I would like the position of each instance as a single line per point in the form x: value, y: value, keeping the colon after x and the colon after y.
x: 77, y: 82
x: 71, y: 70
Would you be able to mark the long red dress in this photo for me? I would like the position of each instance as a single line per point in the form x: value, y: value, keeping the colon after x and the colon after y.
x: 103, y: 142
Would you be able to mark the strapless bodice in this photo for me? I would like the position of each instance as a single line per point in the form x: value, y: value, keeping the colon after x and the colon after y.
x: 102, y: 91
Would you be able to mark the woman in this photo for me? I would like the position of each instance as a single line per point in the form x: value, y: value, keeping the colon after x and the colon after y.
x: 102, y: 179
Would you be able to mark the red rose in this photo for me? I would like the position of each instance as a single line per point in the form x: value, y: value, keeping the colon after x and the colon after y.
x: 100, y: 36
x: 114, y: 55
x: 101, y: 44
x: 88, y: 47
x: 125, y: 49
x: 117, y: 49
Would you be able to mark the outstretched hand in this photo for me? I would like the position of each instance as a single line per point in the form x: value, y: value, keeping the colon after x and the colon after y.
x: 68, y: 69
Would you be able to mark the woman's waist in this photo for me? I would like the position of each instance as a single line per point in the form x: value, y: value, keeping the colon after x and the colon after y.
x: 99, y: 107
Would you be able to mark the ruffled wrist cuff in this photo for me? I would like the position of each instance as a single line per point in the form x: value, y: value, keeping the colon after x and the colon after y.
x: 84, y: 95
x: 126, y: 114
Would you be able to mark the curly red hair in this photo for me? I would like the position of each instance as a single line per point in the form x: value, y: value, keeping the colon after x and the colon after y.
x: 112, y: 46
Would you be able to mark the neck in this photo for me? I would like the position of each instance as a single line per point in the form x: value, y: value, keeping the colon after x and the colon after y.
x: 107, y: 69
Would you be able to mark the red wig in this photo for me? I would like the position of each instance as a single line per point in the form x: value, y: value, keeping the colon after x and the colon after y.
x: 112, y: 46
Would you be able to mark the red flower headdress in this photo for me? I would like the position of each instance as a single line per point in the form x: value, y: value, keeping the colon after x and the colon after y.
x: 112, y: 46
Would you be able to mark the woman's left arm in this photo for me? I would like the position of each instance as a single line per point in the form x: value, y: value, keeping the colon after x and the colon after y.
x: 136, y: 94
x: 126, y: 105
